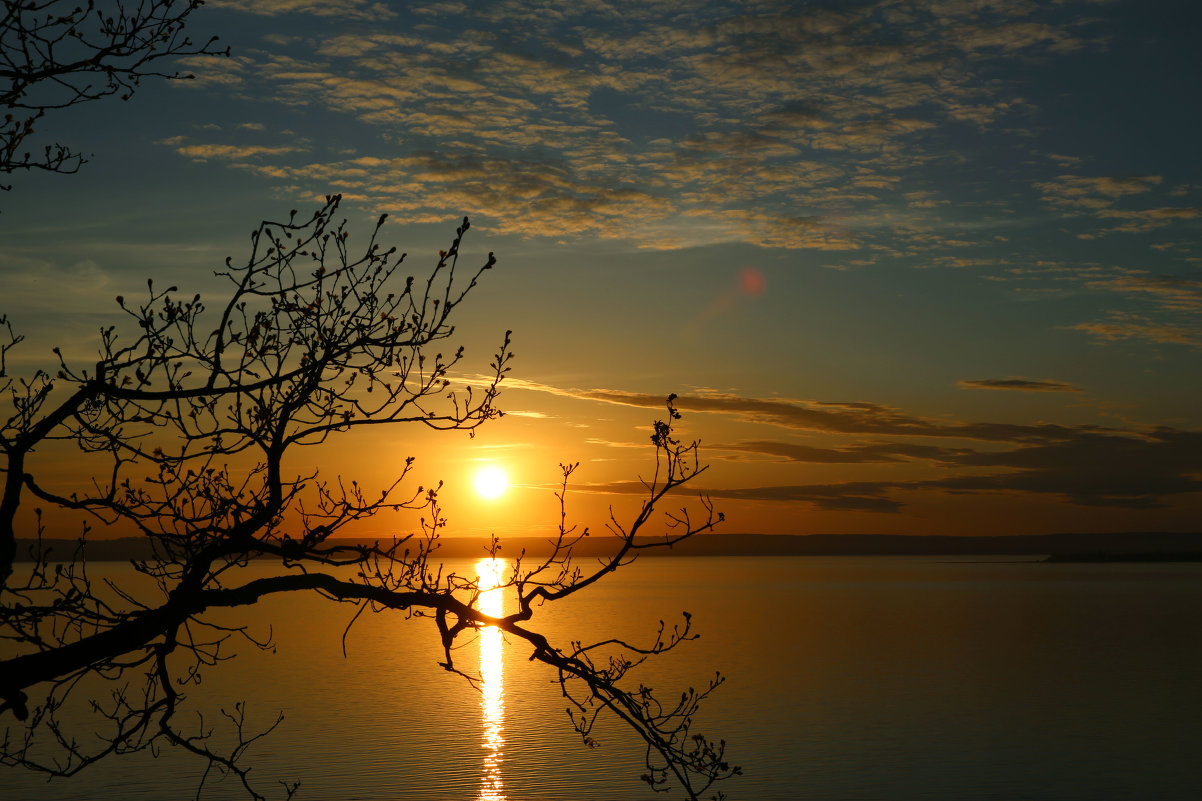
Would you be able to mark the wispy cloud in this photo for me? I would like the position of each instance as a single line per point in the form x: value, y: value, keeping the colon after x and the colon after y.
x: 1157, y: 308
x: 344, y: 9
x: 850, y: 417
x: 1136, y: 472
x: 847, y: 497
x: 527, y: 413
x: 1137, y: 304
x: 1171, y: 292
x: 859, y: 453
x: 35, y: 284
x: 1018, y: 385
x: 1084, y: 465
x: 606, y: 443
x: 1093, y: 469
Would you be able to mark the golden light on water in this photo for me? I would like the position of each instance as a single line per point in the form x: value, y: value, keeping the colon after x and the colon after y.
x: 492, y: 702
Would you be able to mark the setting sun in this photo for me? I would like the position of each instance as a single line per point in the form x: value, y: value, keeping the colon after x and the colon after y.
x: 491, y: 482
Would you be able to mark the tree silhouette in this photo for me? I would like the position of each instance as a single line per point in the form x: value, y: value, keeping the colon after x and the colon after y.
x: 186, y: 419
x: 58, y: 53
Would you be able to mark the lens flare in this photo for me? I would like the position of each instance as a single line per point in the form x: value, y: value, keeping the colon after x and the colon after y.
x: 752, y: 282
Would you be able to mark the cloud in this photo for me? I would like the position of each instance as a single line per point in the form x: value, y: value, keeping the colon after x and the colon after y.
x: 1083, y: 465
x: 527, y: 413
x: 1128, y: 325
x: 857, y: 417
x: 847, y: 497
x: 1161, y: 308
x: 815, y: 415
x: 1144, y: 305
x: 1142, y: 220
x: 850, y: 496
x: 212, y: 71
x: 231, y: 152
x: 612, y: 444
x: 1018, y: 385
x: 1170, y: 292
x: 36, y: 284
x: 1104, y: 197
x: 1014, y: 36
x: 343, y: 9
x: 860, y: 453
x: 1078, y: 192
x: 1093, y: 469
x: 780, y: 125
x: 1137, y: 471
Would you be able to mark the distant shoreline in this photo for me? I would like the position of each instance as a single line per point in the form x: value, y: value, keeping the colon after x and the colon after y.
x: 1105, y: 558
x: 1145, y: 546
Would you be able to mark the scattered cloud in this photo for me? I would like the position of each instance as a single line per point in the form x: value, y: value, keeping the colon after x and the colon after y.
x: 1078, y: 192
x: 1155, y: 307
x: 1138, y: 221
x: 207, y: 72
x: 784, y: 126
x: 1170, y: 292
x: 1105, y: 198
x: 1132, y: 326
x: 1159, y: 308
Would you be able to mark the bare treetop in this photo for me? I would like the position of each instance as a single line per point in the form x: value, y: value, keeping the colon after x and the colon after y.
x: 56, y: 54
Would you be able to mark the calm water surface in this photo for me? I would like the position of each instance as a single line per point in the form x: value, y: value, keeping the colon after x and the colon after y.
x: 873, y: 679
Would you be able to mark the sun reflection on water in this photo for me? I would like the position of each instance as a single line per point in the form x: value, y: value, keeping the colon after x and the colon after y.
x: 492, y: 699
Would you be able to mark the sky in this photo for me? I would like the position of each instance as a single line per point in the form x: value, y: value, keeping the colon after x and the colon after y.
x: 911, y: 266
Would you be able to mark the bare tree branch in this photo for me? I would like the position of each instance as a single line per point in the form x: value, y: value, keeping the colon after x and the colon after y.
x: 186, y: 419
x: 58, y: 53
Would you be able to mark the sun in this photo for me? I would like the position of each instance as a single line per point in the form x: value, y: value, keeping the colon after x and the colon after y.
x: 491, y: 482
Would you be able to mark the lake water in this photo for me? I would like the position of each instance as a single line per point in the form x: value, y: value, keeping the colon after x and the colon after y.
x: 873, y: 679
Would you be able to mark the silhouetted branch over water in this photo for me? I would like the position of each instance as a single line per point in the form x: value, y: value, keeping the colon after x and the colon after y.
x: 186, y: 422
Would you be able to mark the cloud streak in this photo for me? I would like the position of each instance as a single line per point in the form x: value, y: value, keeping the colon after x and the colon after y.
x: 823, y: 416
x: 846, y: 497
x: 1090, y: 470
x: 1018, y: 385
x: 1083, y: 465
